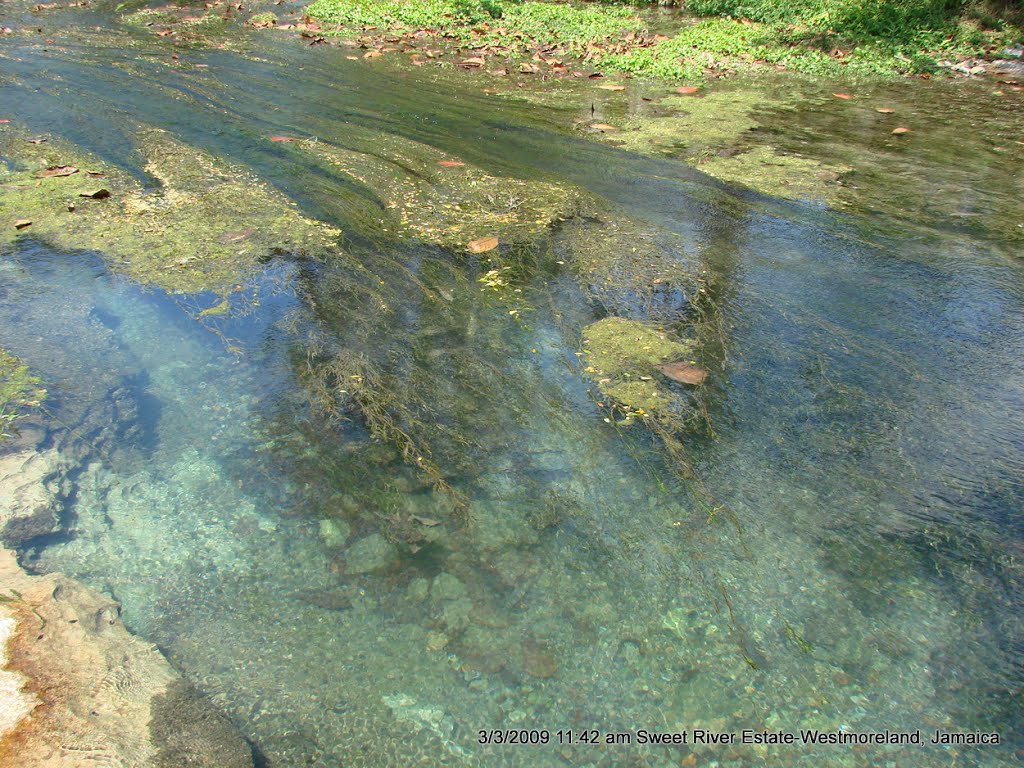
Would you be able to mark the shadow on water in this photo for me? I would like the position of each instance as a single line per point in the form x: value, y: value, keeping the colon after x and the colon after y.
x: 867, y: 446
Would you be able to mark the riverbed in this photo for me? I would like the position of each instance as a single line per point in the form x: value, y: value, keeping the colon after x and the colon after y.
x: 840, y: 552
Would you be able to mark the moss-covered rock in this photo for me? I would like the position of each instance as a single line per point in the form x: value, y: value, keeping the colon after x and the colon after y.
x: 622, y: 356
x: 630, y: 268
x: 717, y: 133
x: 206, y: 227
x: 432, y: 196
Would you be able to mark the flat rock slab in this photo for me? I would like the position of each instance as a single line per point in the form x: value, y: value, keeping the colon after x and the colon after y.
x: 28, y: 507
x: 77, y: 689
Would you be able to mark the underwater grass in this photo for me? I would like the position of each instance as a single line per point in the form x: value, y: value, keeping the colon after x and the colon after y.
x: 19, y: 391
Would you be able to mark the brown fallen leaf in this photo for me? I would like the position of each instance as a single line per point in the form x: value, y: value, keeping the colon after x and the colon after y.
x: 472, y: 62
x: 236, y: 237
x: 96, y: 194
x: 603, y: 127
x: 22, y: 223
x: 372, y: 54
x: 482, y: 245
x: 612, y: 87
x: 684, y: 373
x: 885, y: 110
x: 57, y: 170
x: 98, y: 174
x: 284, y: 138
x: 687, y: 90
x: 449, y: 163
x: 528, y: 69
x: 900, y: 131
x: 842, y: 95
x: 538, y: 660
x: 595, y: 75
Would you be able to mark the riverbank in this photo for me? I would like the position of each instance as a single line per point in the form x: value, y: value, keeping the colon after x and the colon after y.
x: 562, y: 40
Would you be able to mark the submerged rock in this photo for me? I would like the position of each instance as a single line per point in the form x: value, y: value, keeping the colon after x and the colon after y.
x: 79, y: 689
x: 334, y: 533
x: 182, y: 237
x: 632, y: 269
x: 623, y: 357
x: 538, y: 659
x: 28, y: 506
x: 369, y: 554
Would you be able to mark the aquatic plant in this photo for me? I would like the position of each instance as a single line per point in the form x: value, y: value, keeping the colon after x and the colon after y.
x: 184, y: 236
x: 20, y: 390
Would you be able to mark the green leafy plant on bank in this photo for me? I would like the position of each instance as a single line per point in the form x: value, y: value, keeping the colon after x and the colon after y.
x: 817, y: 36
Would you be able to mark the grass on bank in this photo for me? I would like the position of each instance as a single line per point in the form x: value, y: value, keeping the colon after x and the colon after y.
x: 815, y: 36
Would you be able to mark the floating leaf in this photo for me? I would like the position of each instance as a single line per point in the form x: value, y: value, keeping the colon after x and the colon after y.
x: 58, y: 170
x: 885, y: 110
x: 900, y: 131
x: 688, y: 90
x: 842, y: 95
x: 612, y: 87
x: 684, y: 373
x: 482, y: 245
x: 449, y: 163
x: 22, y: 223
x: 96, y: 194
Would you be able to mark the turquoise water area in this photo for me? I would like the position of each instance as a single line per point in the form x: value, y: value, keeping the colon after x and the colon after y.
x: 858, y: 570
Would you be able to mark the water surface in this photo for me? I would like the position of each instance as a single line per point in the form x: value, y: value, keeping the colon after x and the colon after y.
x: 859, y: 569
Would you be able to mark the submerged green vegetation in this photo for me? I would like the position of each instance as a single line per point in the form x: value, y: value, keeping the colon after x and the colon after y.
x: 622, y: 357
x: 829, y: 38
x: 19, y: 390
x: 187, y: 235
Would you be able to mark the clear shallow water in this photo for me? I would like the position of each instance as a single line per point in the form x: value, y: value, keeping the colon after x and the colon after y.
x: 868, y: 447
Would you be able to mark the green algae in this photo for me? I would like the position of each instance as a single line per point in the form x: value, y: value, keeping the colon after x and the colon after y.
x: 777, y: 173
x: 622, y: 356
x: 429, y: 195
x: 19, y: 390
x: 265, y: 19
x: 187, y: 235
x: 718, y: 133
x: 185, y: 24
x: 629, y: 266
